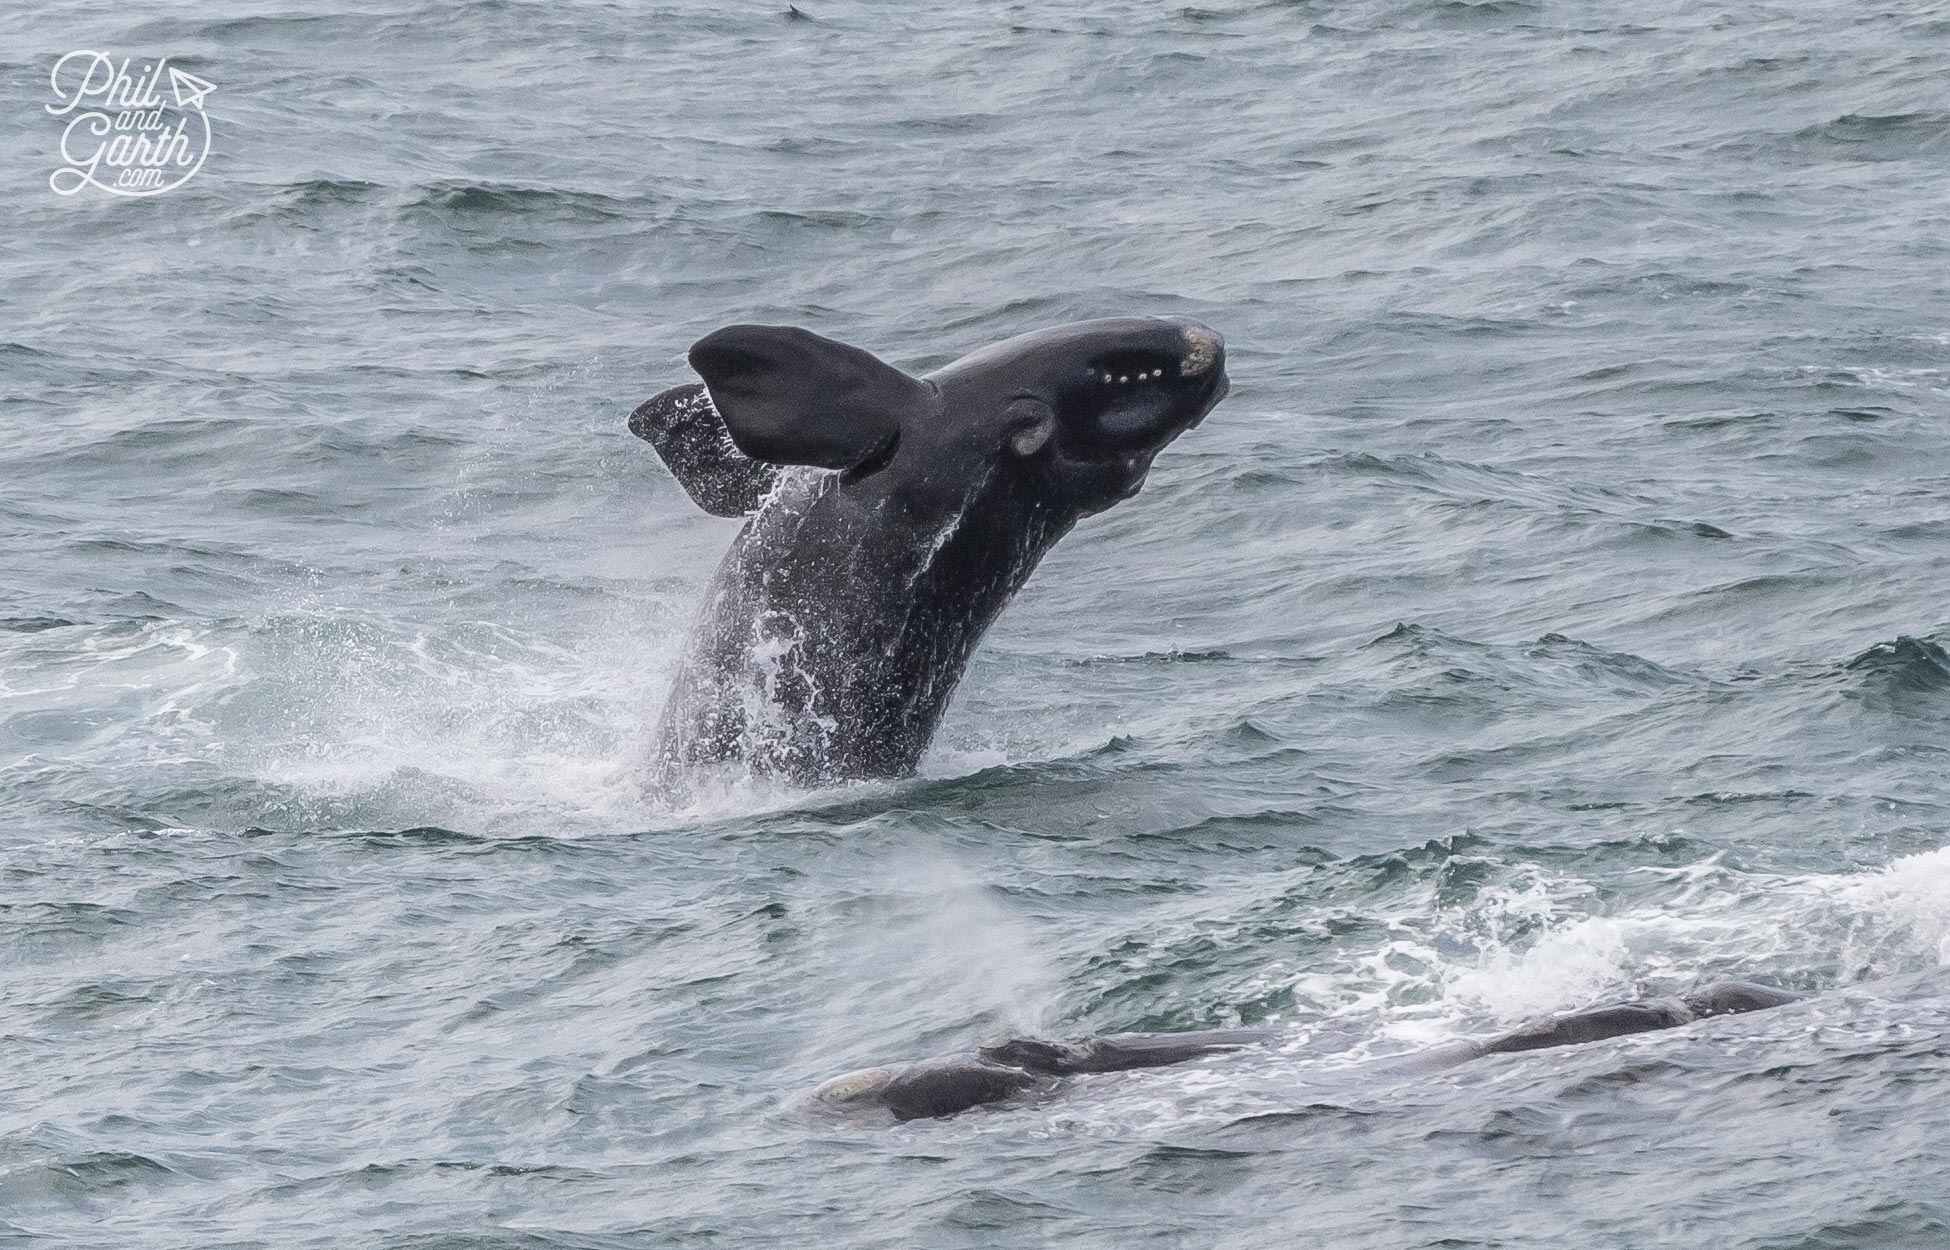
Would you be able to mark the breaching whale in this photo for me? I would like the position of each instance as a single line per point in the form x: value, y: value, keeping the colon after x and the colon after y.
x: 891, y: 519
x: 1021, y: 1066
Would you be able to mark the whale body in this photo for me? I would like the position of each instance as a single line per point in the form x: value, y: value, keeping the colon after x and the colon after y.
x: 1009, y: 1070
x: 891, y: 518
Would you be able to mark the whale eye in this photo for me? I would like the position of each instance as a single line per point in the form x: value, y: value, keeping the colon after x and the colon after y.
x: 1032, y: 422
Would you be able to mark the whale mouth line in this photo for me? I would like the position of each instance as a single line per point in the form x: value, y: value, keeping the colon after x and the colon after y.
x: 1219, y: 392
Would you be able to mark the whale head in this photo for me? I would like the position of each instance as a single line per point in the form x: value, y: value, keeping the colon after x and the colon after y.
x: 1070, y: 417
x: 1080, y: 410
x: 942, y: 1087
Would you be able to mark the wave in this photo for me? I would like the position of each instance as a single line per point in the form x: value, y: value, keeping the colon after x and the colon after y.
x: 1907, y: 664
x: 467, y: 199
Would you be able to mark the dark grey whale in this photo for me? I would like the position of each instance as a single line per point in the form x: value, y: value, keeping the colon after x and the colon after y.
x: 892, y: 517
x: 1019, y: 1066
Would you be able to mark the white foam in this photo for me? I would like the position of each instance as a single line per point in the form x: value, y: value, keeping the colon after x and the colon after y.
x: 1546, y: 941
x: 1549, y: 944
x: 365, y: 722
x: 1903, y: 914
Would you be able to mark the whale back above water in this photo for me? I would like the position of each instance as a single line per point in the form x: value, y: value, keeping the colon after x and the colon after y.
x: 891, y: 518
x: 1007, y: 1070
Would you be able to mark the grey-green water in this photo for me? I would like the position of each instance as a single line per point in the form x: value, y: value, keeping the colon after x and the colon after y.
x: 1555, y: 611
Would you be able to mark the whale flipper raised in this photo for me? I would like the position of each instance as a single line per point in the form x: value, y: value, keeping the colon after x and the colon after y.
x: 789, y: 396
x: 684, y: 426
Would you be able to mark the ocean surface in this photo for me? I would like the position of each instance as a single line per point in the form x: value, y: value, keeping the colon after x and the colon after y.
x: 1554, y: 613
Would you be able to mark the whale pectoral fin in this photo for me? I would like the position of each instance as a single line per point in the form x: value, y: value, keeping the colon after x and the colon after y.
x: 1120, y: 1052
x: 688, y: 434
x: 788, y: 396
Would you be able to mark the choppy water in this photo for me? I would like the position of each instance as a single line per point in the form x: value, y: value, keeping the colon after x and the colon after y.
x: 1554, y: 611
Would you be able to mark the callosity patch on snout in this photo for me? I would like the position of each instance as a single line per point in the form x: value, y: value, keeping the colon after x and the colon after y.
x: 852, y: 1087
x: 1202, y: 349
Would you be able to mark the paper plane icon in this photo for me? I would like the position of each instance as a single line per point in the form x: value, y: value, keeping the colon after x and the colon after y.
x: 189, y: 89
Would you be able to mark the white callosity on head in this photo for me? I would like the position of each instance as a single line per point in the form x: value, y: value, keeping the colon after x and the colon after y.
x: 1201, y: 351
x: 854, y: 1086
